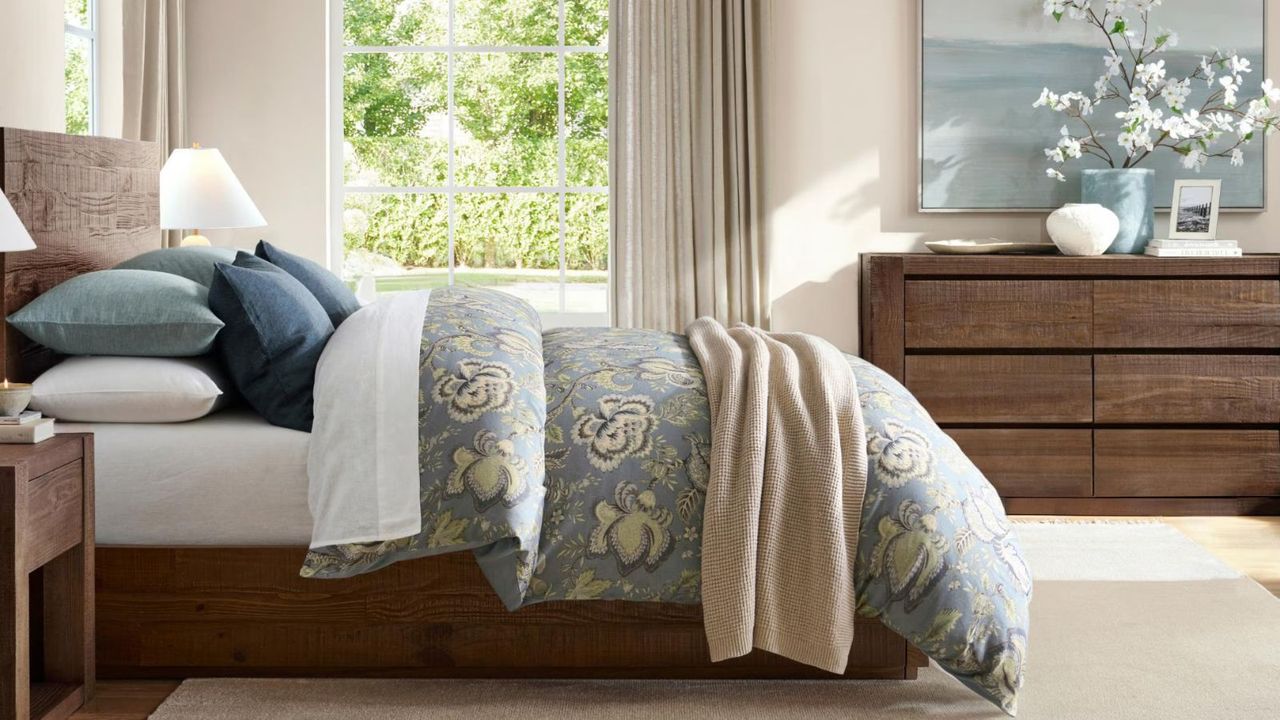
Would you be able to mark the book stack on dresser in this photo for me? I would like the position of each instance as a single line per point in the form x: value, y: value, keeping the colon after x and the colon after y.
x: 1194, y: 248
x: 1102, y: 385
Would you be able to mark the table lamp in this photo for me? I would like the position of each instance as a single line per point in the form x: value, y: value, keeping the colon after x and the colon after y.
x: 198, y: 190
x: 13, y: 238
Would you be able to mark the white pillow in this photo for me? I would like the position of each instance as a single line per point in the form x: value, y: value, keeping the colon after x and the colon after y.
x: 129, y: 389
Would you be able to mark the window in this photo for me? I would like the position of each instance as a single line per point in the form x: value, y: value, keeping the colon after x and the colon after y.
x: 469, y: 144
x: 80, y: 74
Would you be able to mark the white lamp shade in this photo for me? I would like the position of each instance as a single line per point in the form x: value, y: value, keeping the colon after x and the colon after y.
x: 198, y: 190
x: 13, y: 234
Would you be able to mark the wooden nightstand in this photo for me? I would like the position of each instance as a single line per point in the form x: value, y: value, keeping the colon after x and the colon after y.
x: 46, y: 594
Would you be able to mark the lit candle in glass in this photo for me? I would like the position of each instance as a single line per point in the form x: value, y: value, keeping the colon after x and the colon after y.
x: 14, y: 398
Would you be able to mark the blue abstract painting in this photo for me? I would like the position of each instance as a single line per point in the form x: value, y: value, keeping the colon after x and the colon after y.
x: 984, y: 63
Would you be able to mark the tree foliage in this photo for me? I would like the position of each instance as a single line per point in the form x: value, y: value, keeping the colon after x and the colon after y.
x: 505, y: 132
x: 76, y: 70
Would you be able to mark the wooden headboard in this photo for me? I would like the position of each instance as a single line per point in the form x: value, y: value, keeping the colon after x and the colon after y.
x: 88, y: 202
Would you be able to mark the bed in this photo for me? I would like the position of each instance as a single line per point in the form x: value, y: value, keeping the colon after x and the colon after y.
x: 213, y: 592
x: 198, y: 562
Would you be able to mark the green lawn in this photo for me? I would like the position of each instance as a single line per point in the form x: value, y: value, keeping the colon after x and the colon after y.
x: 423, y: 279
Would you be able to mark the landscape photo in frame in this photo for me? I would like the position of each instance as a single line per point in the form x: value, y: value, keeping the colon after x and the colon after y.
x: 1193, y: 214
x: 983, y: 64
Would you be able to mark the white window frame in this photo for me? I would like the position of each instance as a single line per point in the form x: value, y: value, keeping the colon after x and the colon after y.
x: 336, y: 181
x: 91, y: 34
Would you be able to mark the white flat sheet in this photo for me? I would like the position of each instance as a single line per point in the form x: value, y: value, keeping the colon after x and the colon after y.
x: 227, y: 479
x: 363, y: 461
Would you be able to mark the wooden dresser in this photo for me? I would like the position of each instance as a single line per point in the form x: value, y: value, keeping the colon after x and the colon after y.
x: 1111, y: 385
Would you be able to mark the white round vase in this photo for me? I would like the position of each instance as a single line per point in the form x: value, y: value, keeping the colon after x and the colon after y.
x: 1082, y: 229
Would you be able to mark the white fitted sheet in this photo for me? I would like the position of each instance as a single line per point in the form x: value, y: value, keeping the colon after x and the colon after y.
x: 227, y: 479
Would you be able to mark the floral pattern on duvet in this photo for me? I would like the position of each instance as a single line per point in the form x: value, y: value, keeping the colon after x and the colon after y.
x: 621, y: 436
x: 938, y: 561
x: 480, y: 452
x: 628, y: 435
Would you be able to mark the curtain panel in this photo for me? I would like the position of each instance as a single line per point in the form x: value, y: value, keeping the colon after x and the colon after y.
x: 155, y: 76
x: 686, y: 227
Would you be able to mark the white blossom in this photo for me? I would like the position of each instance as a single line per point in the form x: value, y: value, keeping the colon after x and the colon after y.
x: 1175, y: 93
x: 1151, y: 74
x: 1206, y: 69
x: 1195, y: 133
x: 1100, y: 88
x: 1230, y: 84
x: 1195, y: 159
x: 1270, y: 92
x: 1113, y: 62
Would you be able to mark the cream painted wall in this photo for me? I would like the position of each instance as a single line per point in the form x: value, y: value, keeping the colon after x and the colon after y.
x: 31, y: 81
x: 256, y: 91
x: 840, y: 159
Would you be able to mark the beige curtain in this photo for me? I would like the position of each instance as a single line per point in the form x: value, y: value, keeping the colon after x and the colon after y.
x: 155, y: 76
x: 685, y: 109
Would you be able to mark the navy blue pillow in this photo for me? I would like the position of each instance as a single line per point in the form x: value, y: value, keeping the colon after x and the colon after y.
x: 275, y: 331
x: 333, y: 294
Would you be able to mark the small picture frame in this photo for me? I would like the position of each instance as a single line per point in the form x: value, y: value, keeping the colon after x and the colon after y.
x: 1193, y: 214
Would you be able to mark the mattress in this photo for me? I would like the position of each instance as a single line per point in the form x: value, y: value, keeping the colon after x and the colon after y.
x: 227, y: 479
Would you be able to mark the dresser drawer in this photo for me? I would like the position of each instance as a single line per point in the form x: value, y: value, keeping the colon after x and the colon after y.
x: 1153, y: 389
x: 1003, y: 388
x: 1031, y: 462
x: 1187, y: 463
x: 999, y: 314
x: 1186, y: 313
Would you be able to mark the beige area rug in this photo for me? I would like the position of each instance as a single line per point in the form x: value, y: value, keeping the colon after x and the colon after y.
x: 1183, y: 636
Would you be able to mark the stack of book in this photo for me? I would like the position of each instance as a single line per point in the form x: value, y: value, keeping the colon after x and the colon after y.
x: 27, y: 428
x: 1194, y: 248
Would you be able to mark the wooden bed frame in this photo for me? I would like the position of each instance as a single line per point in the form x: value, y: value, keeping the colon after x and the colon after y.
x: 174, y: 612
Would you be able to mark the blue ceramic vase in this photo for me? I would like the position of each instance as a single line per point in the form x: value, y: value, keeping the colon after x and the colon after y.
x: 1128, y: 194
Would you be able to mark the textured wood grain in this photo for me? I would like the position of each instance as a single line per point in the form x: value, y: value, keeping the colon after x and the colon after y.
x: 1186, y: 313
x: 46, y: 660
x: 883, y: 324
x: 996, y: 345
x: 69, y: 653
x: 15, y: 601
x: 55, y: 514
x: 927, y: 264
x: 245, y: 611
x: 1003, y: 388
x: 89, y: 203
x: 1187, y: 463
x: 1031, y: 462
x: 999, y: 314
x: 1155, y: 389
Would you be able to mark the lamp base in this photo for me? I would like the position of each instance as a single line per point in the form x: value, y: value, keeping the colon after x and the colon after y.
x: 195, y: 240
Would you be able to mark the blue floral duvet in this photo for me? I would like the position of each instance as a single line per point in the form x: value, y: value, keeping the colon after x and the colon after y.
x: 574, y: 464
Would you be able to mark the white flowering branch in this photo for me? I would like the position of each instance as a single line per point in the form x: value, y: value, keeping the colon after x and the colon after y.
x: 1134, y: 74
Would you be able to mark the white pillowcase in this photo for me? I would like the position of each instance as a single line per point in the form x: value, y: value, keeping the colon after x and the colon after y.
x: 129, y: 389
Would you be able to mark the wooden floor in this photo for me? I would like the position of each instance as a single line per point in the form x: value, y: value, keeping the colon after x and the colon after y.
x: 1248, y: 544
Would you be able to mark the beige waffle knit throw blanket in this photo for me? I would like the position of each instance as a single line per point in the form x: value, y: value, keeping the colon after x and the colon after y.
x: 784, y: 499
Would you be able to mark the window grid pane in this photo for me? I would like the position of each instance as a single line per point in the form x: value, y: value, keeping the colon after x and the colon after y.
x: 496, y: 218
